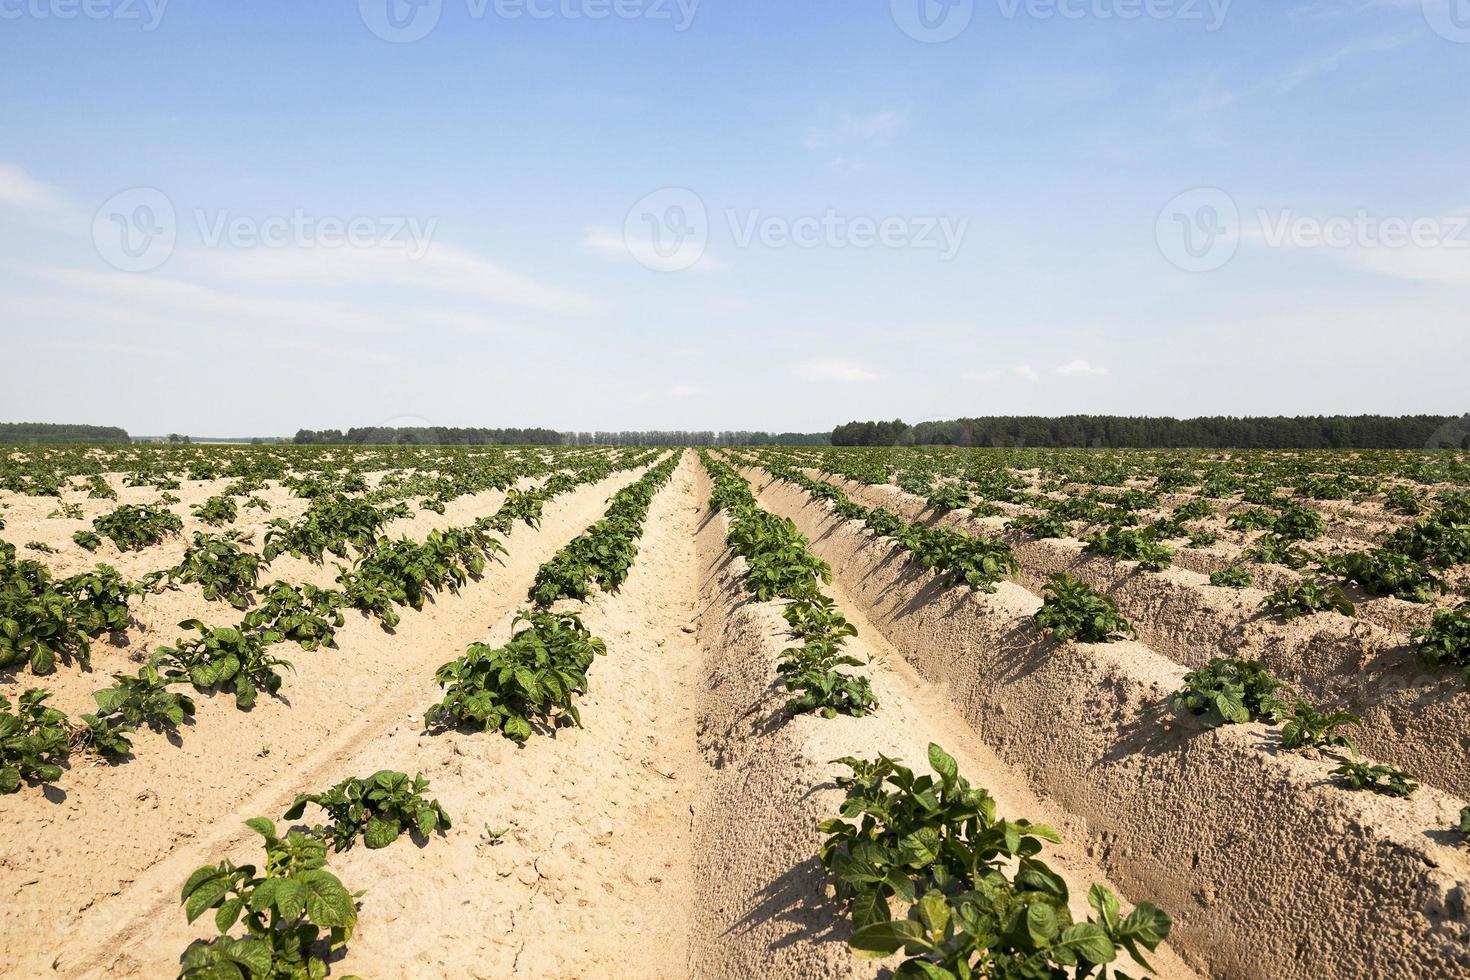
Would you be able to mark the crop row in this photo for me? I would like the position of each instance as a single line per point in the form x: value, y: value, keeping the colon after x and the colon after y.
x: 1416, y: 715
x: 975, y: 897
x: 299, y: 914
x: 1084, y: 721
x: 240, y: 660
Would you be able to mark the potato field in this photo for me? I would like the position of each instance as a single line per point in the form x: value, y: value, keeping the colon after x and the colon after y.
x: 295, y: 712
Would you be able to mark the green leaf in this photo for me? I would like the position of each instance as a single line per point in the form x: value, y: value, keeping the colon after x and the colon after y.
x: 943, y: 763
x: 327, y: 902
x: 204, y: 895
x: 886, y: 938
x: 1041, y: 923
x: 869, y: 907
x: 228, y: 914
x: 381, y: 832
x: 1090, y: 942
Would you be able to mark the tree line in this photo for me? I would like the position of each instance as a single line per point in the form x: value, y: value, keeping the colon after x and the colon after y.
x: 46, y: 434
x: 1217, y: 432
x: 442, y: 436
x: 438, y: 435
x: 697, y: 438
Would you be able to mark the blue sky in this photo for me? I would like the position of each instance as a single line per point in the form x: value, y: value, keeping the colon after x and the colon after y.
x: 1082, y: 211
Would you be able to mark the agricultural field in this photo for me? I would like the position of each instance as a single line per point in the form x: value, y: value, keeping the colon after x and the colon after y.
x: 279, y: 712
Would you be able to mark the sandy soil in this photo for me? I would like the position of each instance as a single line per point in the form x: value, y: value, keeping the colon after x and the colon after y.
x: 108, y: 847
x: 675, y: 834
x: 1286, y: 886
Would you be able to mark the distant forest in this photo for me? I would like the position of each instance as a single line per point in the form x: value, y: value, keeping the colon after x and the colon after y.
x: 44, y: 434
x: 441, y: 436
x: 702, y: 438
x: 436, y: 436
x: 1119, y: 432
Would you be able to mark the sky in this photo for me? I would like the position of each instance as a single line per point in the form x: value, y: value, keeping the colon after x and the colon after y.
x: 245, y: 219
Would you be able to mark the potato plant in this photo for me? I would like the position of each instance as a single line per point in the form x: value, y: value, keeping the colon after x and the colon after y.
x: 134, y: 527
x: 1232, y: 577
x: 1231, y: 692
x: 378, y: 808
x: 304, y: 614
x: 1040, y: 526
x: 332, y: 524
x: 221, y: 568
x: 1131, y: 545
x: 1298, y: 599
x: 1272, y: 549
x: 810, y: 671
x: 224, y: 659
x: 407, y: 573
x: 216, y: 511
x: 1445, y: 642
x: 1309, y: 728
x: 533, y: 679
x: 1384, y: 780
x: 40, y: 622
x: 977, y: 900
x: 1387, y: 573
x: 33, y: 741
x: 962, y: 558
x: 143, y: 700
x: 1072, y: 611
x: 295, y: 914
x: 781, y: 566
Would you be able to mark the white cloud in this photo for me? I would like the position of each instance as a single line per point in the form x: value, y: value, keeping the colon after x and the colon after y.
x: 685, y: 391
x: 834, y: 369
x: 19, y: 189
x: 990, y: 375
x: 850, y: 129
x: 1081, y: 369
x: 611, y: 244
x: 1026, y: 373
x: 1329, y: 61
x: 441, y: 268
